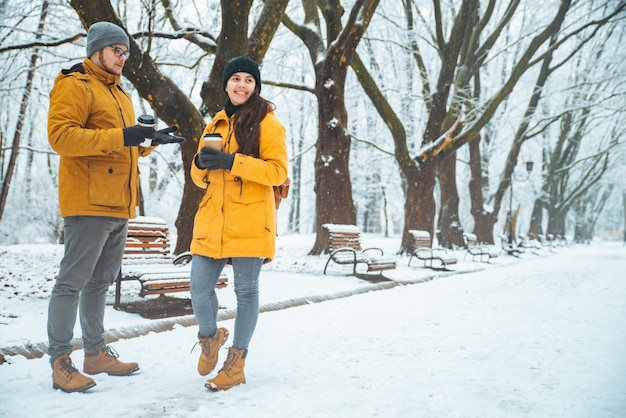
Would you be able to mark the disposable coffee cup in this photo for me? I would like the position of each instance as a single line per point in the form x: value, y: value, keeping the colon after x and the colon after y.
x: 213, y: 140
x: 149, y: 122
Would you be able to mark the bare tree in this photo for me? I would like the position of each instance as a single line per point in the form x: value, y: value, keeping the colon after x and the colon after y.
x: 569, y: 175
x: 588, y: 208
x: 530, y: 56
x: 462, y: 56
x: 330, y: 57
x: 30, y: 74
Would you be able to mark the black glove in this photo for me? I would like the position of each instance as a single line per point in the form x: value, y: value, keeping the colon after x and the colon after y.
x: 212, y: 159
x: 135, y: 135
x: 162, y: 136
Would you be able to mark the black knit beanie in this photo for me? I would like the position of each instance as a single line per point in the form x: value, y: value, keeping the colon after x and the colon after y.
x: 241, y: 64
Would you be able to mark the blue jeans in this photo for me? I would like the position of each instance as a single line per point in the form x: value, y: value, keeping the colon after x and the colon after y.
x: 94, y: 247
x: 204, y: 274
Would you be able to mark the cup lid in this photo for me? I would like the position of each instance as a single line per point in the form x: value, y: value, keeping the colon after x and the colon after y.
x: 147, y: 119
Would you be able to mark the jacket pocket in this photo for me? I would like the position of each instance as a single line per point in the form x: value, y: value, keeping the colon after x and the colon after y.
x: 204, y: 218
x: 246, y: 212
x: 109, y: 184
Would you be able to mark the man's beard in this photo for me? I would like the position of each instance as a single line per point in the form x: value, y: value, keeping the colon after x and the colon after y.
x: 109, y: 69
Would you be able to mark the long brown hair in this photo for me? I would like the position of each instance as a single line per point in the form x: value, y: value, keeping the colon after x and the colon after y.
x: 248, y: 123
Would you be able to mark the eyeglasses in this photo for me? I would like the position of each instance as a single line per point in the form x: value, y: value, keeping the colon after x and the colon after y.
x: 119, y: 52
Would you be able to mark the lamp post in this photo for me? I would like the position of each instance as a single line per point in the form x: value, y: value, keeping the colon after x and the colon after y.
x: 529, y: 168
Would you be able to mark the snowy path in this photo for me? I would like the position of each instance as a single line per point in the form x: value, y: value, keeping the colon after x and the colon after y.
x: 543, y: 338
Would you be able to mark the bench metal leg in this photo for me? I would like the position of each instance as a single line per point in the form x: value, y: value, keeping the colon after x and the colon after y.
x: 326, y: 266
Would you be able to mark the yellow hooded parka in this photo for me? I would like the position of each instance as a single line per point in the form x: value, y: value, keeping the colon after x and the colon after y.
x: 237, y: 214
x: 98, y: 175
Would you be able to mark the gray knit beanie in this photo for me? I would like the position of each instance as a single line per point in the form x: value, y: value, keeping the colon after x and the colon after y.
x: 103, y: 34
x: 241, y: 64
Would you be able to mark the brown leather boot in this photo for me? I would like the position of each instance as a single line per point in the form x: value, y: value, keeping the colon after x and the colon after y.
x: 67, y: 378
x: 210, y: 348
x: 105, y: 361
x: 231, y: 374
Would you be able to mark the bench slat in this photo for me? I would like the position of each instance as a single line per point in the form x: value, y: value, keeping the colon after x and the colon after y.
x: 159, y: 287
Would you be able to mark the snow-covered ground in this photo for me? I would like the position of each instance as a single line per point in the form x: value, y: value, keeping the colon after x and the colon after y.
x: 539, y: 336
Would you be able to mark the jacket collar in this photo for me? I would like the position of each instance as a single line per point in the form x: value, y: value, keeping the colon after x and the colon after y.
x: 221, y: 115
x: 107, y: 78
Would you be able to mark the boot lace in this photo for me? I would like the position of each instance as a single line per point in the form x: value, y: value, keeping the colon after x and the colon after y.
x: 205, y: 346
x: 67, y: 367
x: 110, y: 352
x: 205, y: 343
x: 230, y: 360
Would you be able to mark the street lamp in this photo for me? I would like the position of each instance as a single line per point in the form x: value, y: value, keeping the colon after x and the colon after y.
x: 529, y: 168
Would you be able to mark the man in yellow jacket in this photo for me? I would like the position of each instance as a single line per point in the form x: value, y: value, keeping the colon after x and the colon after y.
x: 91, y: 125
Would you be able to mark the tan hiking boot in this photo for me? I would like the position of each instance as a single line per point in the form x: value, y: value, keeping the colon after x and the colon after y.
x: 231, y: 374
x: 210, y: 348
x: 67, y: 378
x: 105, y: 361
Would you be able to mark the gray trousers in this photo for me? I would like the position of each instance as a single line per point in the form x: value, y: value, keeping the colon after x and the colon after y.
x: 94, y: 247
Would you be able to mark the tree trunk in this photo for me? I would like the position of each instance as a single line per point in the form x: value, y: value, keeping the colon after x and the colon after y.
x: 483, y: 218
x: 294, y: 224
x: 450, y: 224
x: 232, y: 42
x: 333, y: 188
x: 536, y: 228
x: 556, y: 222
x: 420, y: 201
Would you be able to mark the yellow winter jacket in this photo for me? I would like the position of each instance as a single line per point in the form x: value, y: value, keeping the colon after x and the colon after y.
x: 237, y: 214
x: 98, y: 175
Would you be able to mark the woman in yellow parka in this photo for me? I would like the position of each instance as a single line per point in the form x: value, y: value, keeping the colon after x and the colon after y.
x: 236, y: 219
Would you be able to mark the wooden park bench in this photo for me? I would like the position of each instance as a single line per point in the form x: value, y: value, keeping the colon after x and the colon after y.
x: 421, y: 249
x: 147, y: 259
x: 509, y: 248
x: 528, y: 244
x: 475, y: 249
x: 547, y: 242
x: 344, y: 248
